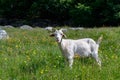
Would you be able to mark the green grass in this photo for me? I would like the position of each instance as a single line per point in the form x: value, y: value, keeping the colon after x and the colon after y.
x: 33, y: 55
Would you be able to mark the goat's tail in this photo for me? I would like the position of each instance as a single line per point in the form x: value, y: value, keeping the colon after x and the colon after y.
x: 99, y: 39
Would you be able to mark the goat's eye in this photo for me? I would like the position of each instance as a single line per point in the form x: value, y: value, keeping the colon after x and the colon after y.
x: 61, y: 34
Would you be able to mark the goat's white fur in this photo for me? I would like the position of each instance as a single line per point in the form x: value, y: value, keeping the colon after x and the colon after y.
x: 84, y: 47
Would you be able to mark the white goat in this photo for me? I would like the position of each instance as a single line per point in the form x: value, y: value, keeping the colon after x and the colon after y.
x: 83, y: 47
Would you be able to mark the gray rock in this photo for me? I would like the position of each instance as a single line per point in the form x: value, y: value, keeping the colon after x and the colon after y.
x: 8, y: 26
x: 64, y: 29
x: 1, y: 27
x: 49, y: 28
x: 26, y: 27
x: 78, y: 28
x: 3, y: 34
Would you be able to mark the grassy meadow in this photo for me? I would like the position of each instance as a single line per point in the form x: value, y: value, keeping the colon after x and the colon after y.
x: 33, y: 55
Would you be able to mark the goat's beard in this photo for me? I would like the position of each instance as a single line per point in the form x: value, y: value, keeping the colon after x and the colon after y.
x: 58, y: 41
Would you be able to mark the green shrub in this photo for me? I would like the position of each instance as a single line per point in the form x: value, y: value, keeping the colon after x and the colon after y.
x: 81, y: 15
x: 80, y: 12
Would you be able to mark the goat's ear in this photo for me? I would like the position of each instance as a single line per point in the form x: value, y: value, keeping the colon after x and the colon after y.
x: 64, y: 36
x: 51, y: 35
x: 63, y: 30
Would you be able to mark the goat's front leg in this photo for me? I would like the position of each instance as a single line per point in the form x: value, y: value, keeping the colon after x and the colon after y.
x: 70, y: 60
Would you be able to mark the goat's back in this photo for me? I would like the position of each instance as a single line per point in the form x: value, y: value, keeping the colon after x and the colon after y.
x: 83, y: 47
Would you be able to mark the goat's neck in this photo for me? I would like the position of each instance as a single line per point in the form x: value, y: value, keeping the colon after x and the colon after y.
x: 61, y: 44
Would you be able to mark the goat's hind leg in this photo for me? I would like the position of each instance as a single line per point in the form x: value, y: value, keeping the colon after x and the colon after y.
x: 95, y: 56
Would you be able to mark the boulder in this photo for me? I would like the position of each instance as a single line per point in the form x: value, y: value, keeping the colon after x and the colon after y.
x: 26, y: 27
x: 8, y: 26
x: 49, y: 28
x: 1, y: 27
x: 76, y: 28
x: 3, y: 34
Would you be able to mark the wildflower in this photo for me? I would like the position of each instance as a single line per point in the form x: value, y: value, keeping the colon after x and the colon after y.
x: 34, y: 52
x: 46, y: 70
x: 5, y: 59
x: 83, y: 67
x: 42, y: 71
x: 54, y: 66
x: 25, y: 61
x: 76, y: 56
x: 114, y: 57
x: 16, y: 46
x: 59, y: 56
x: 28, y: 58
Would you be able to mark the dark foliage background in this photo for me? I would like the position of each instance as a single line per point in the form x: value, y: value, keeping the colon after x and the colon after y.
x: 86, y: 13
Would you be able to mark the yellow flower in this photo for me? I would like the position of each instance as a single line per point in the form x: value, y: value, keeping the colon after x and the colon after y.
x: 54, y: 66
x: 16, y: 46
x: 42, y: 71
x: 114, y: 57
x: 46, y: 70
x: 28, y: 58
x: 76, y: 56
x: 25, y: 61
x: 59, y: 56
x: 5, y: 59
x: 34, y: 52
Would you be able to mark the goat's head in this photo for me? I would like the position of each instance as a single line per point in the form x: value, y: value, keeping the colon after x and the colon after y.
x: 58, y: 34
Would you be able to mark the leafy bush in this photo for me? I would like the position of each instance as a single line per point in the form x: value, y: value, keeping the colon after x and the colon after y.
x: 80, y: 12
x: 81, y: 15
